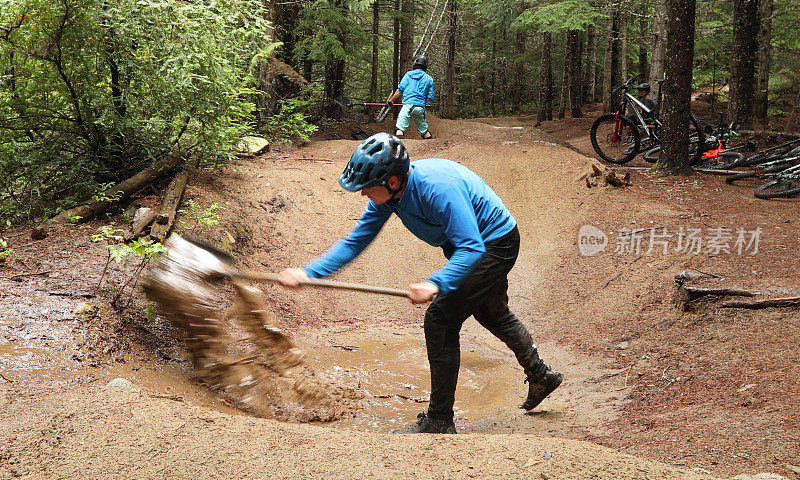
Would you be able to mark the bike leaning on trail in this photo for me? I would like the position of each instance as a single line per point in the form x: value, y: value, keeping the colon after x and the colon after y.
x: 618, y: 139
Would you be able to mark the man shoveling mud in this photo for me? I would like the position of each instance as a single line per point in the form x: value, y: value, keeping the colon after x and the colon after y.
x: 446, y: 205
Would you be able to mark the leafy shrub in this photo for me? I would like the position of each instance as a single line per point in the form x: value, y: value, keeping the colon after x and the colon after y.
x: 92, y: 91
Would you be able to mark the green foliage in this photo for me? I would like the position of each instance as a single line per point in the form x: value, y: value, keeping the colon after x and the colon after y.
x: 145, y: 249
x: 561, y: 16
x: 326, y: 32
x: 92, y: 91
x: 198, y: 218
x: 5, y: 252
x: 150, y: 313
x: 291, y: 120
x: 105, y: 194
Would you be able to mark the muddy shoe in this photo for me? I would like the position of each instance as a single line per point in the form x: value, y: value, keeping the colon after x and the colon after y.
x: 539, y: 389
x: 426, y: 424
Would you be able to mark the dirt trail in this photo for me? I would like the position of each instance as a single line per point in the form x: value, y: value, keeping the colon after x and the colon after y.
x: 282, y: 210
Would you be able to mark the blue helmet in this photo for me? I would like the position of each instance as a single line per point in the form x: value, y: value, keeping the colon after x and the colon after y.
x: 374, y: 161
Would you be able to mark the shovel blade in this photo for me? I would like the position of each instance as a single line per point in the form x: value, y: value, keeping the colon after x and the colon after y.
x: 344, y: 101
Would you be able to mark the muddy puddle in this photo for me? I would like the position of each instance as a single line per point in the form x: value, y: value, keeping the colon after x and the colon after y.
x: 393, y: 374
x: 388, y: 365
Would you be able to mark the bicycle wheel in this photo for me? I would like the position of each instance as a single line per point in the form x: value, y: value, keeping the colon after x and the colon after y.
x: 615, y: 139
x: 696, y: 140
x: 652, y: 154
x: 781, y: 187
x: 724, y: 161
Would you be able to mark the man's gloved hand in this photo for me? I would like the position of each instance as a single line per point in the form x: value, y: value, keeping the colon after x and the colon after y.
x: 389, y: 103
x: 422, y: 292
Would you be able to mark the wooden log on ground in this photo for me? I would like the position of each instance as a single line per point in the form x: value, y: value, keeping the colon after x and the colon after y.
x: 770, y: 133
x: 697, y: 292
x: 763, y: 303
x: 139, y: 224
x: 113, y: 195
x: 169, y: 205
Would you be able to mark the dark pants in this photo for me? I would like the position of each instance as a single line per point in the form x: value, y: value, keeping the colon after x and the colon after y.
x: 484, y: 294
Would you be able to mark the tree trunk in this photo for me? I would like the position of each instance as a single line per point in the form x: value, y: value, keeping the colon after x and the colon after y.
x: 334, y: 87
x: 643, y: 42
x: 623, y: 44
x: 562, y: 104
x: 591, y: 63
x: 493, y: 75
x: 611, y: 76
x: 659, y: 40
x: 519, y: 72
x: 764, y: 50
x: 742, y: 78
x: 574, y: 54
x: 267, y: 103
x: 449, y: 71
x: 407, y: 35
x: 396, y: 46
x: 376, y: 23
x: 677, y: 88
x: 546, y: 79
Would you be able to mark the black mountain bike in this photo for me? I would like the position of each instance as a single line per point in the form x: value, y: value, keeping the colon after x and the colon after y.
x: 616, y: 139
x: 783, y: 184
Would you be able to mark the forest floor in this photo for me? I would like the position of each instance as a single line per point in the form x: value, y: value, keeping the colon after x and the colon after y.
x: 655, y: 387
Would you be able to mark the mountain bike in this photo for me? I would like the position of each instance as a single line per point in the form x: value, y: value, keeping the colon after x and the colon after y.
x: 773, y: 166
x: 776, y: 152
x: 617, y: 140
x: 716, y: 149
x: 783, y: 184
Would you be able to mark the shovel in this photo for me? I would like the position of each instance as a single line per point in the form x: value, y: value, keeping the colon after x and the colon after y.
x: 381, y: 116
x: 346, y: 102
x: 222, y: 263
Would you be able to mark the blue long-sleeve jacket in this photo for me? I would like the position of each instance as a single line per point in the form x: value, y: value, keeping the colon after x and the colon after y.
x: 416, y: 87
x: 444, y: 204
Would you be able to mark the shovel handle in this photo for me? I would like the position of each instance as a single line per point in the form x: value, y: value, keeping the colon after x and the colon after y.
x: 316, y: 282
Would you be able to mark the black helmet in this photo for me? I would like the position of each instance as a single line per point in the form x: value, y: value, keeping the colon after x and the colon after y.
x: 420, y: 62
x: 643, y: 86
x: 374, y: 161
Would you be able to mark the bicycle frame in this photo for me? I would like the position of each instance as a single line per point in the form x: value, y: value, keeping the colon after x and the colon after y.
x: 793, y: 171
x: 650, y: 130
x: 638, y: 107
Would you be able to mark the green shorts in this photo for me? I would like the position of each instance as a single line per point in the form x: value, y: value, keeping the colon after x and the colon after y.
x: 412, y: 111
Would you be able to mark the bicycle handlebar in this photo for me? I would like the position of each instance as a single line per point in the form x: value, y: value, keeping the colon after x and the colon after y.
x: 625, y: 84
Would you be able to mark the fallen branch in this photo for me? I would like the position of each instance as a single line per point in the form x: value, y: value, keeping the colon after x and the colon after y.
x: 113, y: 195
x: 697, y: 292
x: 140, y: 224
x: 612, y: 279
x: 169, y: 206
x: 763, y: 303
x: 22, y: 275
x: 768, y: 132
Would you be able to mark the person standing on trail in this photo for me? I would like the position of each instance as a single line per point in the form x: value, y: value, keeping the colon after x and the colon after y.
x: 446, y: 205
x: 416, y: 90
